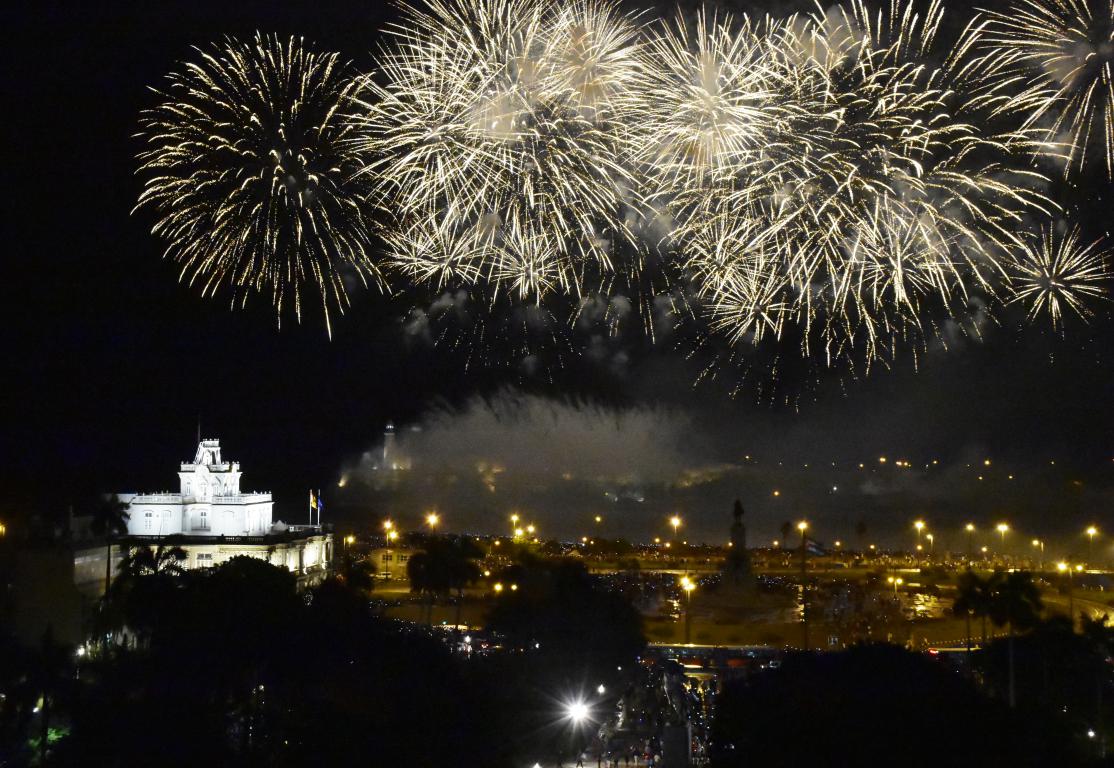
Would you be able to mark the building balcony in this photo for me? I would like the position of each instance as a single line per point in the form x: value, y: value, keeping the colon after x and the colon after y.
x: 157, y: 498
x: 243, y: 498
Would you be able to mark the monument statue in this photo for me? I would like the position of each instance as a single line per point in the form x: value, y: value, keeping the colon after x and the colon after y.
x: 737, y: 571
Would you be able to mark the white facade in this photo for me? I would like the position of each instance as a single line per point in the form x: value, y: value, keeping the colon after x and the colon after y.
x: 306, y: 556
x: 209, y: 502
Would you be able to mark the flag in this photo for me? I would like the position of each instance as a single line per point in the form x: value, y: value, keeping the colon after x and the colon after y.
x: 312, y: 500
x: 320, y: 506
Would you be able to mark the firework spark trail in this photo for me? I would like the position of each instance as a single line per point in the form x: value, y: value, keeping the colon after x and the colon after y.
x: 1059, y: 272
x: 841, y: 178
x: 1054, y: 61
x: 248, y: 167
x: 501, y: 119
x: 853, y: 169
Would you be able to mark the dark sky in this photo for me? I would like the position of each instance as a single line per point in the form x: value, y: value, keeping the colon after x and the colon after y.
x: 110, y: 361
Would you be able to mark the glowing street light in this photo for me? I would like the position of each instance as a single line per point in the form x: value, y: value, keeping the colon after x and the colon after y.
x: 688, y: 585
x: 1003, y: 529
x: 599, y: 519
x: 349, y: 540
x: 1091, y: 532
x: 675, y: 521
x: 388, y: 525
x: 931, y: 544
x: 970, y: 528
x: 577, y: 711
x: 432, y: 519
x: 1063, y: 567
x: 530, y: 529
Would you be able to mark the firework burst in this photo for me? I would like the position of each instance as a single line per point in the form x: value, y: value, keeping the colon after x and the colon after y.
x: 854, y: 198
x: 249, y: 169
x: 1057, y: 56
x: 1058, y: 273
x: 503, y: 120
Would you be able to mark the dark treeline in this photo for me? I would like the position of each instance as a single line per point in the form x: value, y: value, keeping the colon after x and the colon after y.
x: 236, y: 667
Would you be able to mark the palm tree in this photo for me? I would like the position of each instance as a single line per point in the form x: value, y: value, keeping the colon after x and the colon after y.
x: 1016, y: 603
x: 50, y: 672
x: 166, y: 559
x: 110, y: 519
x: 973, y: 598
x: 144, y: 588
x: 355, y: 572
x: 786, y: 529
x: 444, y: 565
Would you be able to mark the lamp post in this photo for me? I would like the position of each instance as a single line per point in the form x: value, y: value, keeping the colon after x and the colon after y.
x: 432, y: 519
x: 688, y: 586
x: 919, y: 525
x: 803, y: 528
x: 675, y: 521
x: 970, y: 528
x: 1063, y: 567
x: 931, y: 546
x: 1038, y: 544
x: 391, y: 536
x: 1091, y: 531
x: 896, y: 582
x: 1002, y: 529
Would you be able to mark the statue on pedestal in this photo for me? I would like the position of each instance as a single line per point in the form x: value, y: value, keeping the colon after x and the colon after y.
x: 737, y: 570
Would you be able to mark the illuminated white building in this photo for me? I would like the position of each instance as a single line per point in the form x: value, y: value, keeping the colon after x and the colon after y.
x: 209, y: 502
x: 213, y: 521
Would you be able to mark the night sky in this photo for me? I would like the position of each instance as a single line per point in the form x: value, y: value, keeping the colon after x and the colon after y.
x: 111, y: 362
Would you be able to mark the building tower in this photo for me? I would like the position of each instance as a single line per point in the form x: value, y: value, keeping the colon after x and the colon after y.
x: 390, y: 461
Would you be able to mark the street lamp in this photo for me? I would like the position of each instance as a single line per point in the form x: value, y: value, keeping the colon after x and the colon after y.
x: 803, y: 528
x: 675, y: 521
x: 897, y: 582
x: 1091, y: 531
x: 392, y: 534
x: 432, y: 519
x: 688, y: 586
x: 919, y: 525
x: 349, y: 540
x: 1063, y: 567
x: 577, y: 711
x: 970, y: 528
x: 1038, y: 544
x: 1002, y: 529
x: 931, y: 545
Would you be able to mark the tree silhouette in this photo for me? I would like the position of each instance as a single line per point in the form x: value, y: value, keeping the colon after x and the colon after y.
x: 443, y: 566
x: 110, y: 520
x: 143, y: 590
x: 786, y: 529
x: 973, y: 598
x: 355, y: 572
x: 1015, y: 602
